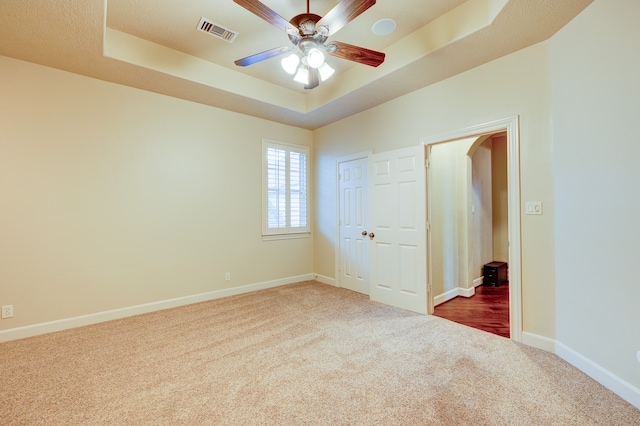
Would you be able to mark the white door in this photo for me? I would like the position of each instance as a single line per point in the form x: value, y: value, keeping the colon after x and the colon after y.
x: 354, y: 249
x: 398, y: 223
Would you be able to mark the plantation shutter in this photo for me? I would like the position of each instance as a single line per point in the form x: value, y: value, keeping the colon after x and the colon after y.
x: 286, y: 195
x: 276, y: 188
x: 298, y: 189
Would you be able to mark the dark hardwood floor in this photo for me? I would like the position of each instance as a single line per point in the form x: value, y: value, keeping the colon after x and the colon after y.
x: 487, y: 310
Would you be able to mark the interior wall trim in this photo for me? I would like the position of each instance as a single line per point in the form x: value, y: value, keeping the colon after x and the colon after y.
x: 80, y: 321
x: 615, y: 384
x: 445, y: 297
x: 512, y: 126
x: 459, y: 291
x: 466, y: 292
x: 540, y: 342
x: 326, y: 280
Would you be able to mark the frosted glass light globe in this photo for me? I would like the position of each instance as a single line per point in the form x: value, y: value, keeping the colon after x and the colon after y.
x: 325, y: 71
x: 302, y: 76
x: 315, y: 58
x: 290, y: 63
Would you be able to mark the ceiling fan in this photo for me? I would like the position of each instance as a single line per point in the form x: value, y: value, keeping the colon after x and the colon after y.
x: 308, y: 33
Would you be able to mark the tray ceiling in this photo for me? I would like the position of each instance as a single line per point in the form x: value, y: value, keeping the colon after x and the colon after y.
x: 154, y: 45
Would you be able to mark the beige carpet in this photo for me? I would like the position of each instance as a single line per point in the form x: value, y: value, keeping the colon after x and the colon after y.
x: 301, y: 354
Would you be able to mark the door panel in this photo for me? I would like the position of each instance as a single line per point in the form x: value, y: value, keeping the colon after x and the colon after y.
x: 383, y: 268
x: 408, y: 267
x: 398, y: 221
x: 353, y: 256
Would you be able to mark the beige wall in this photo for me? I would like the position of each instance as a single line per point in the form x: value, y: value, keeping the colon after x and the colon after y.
x: 595, y: 64
x: 114, y: 197
x: 481, y: 239
x: 449, y: 187
x: 514, y: 85
x: 500, y: 198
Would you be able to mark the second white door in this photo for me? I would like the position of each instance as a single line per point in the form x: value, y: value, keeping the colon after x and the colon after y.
x: 354, y: 210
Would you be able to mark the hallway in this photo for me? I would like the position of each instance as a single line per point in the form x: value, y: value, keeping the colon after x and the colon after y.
x: 487, y: 310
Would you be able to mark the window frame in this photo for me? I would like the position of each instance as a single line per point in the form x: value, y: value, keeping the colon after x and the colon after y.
x: 287, y: 232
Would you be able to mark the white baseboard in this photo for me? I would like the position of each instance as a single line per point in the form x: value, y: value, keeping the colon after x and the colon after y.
x: 615, y: 384
x: 326, y: 280
x: 465, y: 292
x: 67, y: 323
x: 620, y: 387
x: 445, y: 297
x: 537, y: 341
x: 478, y: 281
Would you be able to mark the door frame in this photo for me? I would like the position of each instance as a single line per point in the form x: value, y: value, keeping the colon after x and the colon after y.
x: 511, y: 126
x: 344, y: 159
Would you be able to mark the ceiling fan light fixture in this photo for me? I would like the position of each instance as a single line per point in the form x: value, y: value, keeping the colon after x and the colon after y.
x: 302, y: 76
x: 322, y: 31
x: 290, y: 63
x: 325, y: 71
x: 315, y: 58
x: 308, y: 33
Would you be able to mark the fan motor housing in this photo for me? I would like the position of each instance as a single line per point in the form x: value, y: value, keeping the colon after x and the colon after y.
x: 305, y: 22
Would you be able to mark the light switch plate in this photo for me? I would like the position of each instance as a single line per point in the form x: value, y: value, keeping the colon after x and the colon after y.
x: 533, y: 207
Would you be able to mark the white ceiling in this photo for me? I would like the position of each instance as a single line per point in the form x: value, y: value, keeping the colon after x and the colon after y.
x: 154, y: 45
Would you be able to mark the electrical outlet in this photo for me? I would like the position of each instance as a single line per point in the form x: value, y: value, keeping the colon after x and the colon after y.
x: 227, y: 276
x: 7, y: 311
x: 533, y: 207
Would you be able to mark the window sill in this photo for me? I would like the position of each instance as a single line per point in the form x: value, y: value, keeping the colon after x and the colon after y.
x: 275, y: 237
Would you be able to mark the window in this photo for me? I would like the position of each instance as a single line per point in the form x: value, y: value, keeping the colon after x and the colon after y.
x: 285, y: 194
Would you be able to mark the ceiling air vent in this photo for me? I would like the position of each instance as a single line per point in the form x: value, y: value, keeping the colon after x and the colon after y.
x: 216, y: 30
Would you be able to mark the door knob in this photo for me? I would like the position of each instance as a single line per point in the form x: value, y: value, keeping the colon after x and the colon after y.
x: 364, y: 233
x: 371, y: 235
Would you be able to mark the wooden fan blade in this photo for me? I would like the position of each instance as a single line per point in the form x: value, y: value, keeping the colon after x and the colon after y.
x: 267, y: 54
x: 357, y: 54
x: 264, y: 12
x: 342, y: 13
x: 314, y: 79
